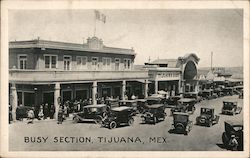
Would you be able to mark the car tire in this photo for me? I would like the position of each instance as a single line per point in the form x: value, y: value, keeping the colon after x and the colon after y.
x: 131, y: 122
x: 112, y: 125
x: 98, y: 120
x: 75, y: 120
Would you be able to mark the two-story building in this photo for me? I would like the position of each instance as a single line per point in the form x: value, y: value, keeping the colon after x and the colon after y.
x: 41, y: 71
x: 175, y: 76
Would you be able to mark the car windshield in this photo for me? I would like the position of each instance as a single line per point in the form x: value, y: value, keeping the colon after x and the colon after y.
x: 228, y: 105
x: 181, y: 118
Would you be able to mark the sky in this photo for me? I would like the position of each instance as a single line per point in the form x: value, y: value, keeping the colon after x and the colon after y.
x: 152, y: 33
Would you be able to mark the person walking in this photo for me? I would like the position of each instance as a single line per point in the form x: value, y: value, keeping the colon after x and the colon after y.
x: 31, y: 116
x: 40, y: 114
x: 60, y: 115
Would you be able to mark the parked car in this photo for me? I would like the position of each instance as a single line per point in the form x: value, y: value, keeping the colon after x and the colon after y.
x: 154, y: 114
x: 112, y: 102
x: 156, y: 99
x: 228, y: 91
x: 207, y: 117
x: 230, y: 108
x: 233, y: 130
x: 185, y: 105
x: 208, y: 94
x: 91, y: 113
x: 118, y: 116
x: 129, y: 103
x: 172, y: 101
x: 22, y: 112
x: 193, y: 95
x: 181, y: 123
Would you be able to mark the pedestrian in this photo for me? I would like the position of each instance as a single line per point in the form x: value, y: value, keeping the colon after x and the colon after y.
x: 45, y: 111
x: 52, y: 111
x: 60, y: 115
x: 31, y: 116
x: 40, y: 114
x: 10, y: 114
x: 233, y: 143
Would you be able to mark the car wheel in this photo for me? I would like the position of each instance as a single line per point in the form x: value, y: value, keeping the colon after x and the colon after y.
x: 75, y: 120
x: 98, y: 120
x: 131, y: 122
x: 112, y: 125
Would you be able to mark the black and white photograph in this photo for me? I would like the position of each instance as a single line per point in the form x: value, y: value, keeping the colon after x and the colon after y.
x: 105, y: 79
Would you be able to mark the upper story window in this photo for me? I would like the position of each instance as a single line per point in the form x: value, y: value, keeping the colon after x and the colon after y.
x: 67, y: 62
x: 117, y: 64
x: 81, y: 62
x: 50, y: 61
x: 94, y: 63
x: 106, y: 63
x: 127, y: 64
x: 22, y: 61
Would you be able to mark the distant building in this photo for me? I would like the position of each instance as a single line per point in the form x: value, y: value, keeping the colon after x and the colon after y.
x: 176, y: 76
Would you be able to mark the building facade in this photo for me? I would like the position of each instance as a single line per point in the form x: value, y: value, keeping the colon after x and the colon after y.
x: 43, y: 71
x: 174, y: 76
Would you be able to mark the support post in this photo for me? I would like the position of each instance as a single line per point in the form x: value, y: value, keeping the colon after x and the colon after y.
x: 123, y: 89
x: 13, y: 100
x: 156, y: 86
x: 57, y: 99
x: 94, y: 92
x: 146, y: 88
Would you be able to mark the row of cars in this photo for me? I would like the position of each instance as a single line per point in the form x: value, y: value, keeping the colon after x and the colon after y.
x: 152, y: 110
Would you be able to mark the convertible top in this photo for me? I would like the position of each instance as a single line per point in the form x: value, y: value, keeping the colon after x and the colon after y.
x: 95, y: 106
x: 122, y: 108
x: 155, y: 106
x: 180, y: 113
x: 186, y: 100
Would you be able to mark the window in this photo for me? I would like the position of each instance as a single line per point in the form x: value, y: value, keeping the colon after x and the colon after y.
x: 81, y: 62
x: 50, y: 61
x: 106, y: 63
x: 94, y: 63
x: 117, y: 64
x: 22, y: 61
x: 127, y: 64
x: 67, y: 62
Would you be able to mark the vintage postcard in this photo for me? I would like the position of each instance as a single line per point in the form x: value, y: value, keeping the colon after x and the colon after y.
x: 124, y: 79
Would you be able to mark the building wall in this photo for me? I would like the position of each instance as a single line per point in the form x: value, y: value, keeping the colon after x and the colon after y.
x: 35, y: 59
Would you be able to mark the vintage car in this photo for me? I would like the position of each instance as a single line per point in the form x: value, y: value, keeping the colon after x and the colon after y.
x: 129, y: 103
x: 142, y: 105
x: 156, y: 99
x: 185, y: 105
x: 91, y: 113
x: 181, y: 123
x: 194, y: 95
x: 22, y: 112
x: 118, y: 116
x: 230, y: 108
x: 207, y: 117
x: 208, y: 94
x: 112, y: 102
x: 154, y: 114
x: 172, y: 101
x: 228, y: 91
x: 233, y: 130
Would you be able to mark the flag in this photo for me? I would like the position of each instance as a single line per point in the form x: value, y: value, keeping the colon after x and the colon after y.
x: 100, y: 16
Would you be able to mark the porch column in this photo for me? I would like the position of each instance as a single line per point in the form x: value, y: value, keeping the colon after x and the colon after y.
x: 13, y: 100
x: 94, y: 92
x: 123, y: 89
x: 146, y: 89
x: 156, y: 86
x: 57, y: 99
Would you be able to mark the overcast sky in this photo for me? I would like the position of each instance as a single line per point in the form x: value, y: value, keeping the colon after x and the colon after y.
x: 152, y: 33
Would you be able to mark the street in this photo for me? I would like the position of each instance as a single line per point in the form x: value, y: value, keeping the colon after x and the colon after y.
x: 68, y: 136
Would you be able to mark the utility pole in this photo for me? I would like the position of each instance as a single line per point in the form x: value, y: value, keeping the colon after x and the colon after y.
x: 211, y: 61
